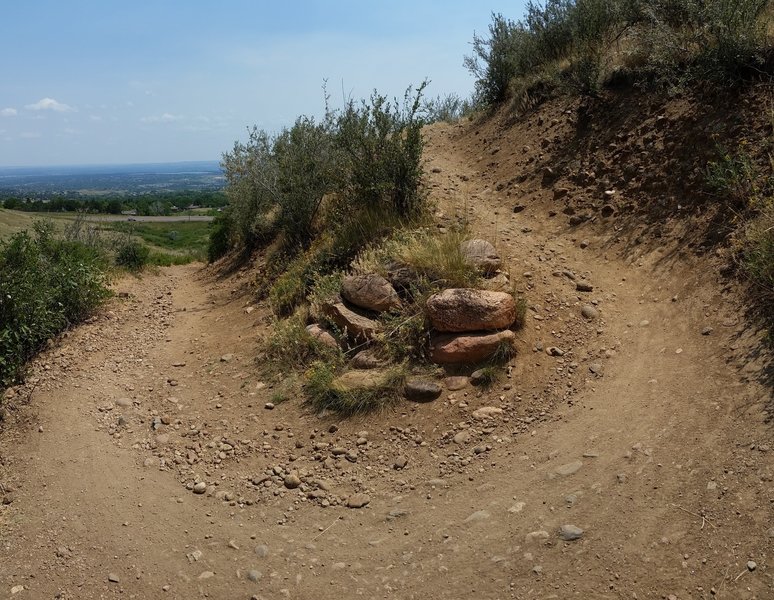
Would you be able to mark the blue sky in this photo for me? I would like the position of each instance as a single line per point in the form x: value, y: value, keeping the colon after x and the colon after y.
x: 92, y: 82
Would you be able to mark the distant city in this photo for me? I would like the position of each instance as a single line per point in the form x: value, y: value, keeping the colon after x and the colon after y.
x: 95, y: 180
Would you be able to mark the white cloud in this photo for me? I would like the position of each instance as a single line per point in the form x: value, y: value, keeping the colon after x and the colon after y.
x: 95, y: 118
x: 30, y: 135
x: 164, y: 118
x: 8, y: 112
x: 50, y: 104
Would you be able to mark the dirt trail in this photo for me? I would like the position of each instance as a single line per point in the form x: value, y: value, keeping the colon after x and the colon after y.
x: 645, y: 435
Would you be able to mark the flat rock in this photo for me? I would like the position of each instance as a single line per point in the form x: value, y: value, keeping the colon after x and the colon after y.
x: 456, y: 383
x: 568, y: 469
x: 468, y: 348
x: 353, y: 324
x: 463, y: 437
x: 486, y: 412
x: 372, y: 292
x: 465, y: 309
x: 479, y: 515
x: 536, y: 536
x: 352, y: 381
x: 482, y: 255
x: 421, y: 390
x: 589, y: 312
x: 358, y: 501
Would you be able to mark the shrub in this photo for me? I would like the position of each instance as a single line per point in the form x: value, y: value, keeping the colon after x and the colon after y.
x: 220, y: 237
x: 450, y: 108
x: 46, y: 285
x: 132, y: 254
x: 758, y: 252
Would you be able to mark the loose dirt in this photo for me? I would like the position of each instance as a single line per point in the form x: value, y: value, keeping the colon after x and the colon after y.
x: 645, y: 438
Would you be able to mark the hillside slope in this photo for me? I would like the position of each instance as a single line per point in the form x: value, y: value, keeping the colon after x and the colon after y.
x: 648, y: 432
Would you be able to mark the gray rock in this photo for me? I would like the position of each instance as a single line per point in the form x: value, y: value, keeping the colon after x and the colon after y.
x: 254, y: 576
x: 400, y: 463
x: 113, y: 578
x: 589, y: 312
x: 707, y: 331
x: 420, y: 390
x: 125, y: 402
x: 367, y: 359
x: 570, y: 533
x: 751, y: 565
x: 199, y: 487
x: 456, y: 383
x: 262, y: 550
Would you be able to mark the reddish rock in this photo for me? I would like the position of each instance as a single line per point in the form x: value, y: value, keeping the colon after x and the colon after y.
x: 372, y: 292
x: 482, y: 255
x: 462, y: 309
x: 467, y: 348
x: 321, y: 335
x: 367, y: 359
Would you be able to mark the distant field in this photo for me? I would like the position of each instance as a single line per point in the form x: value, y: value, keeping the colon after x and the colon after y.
x: 171, y: 240
x: 12, y: 221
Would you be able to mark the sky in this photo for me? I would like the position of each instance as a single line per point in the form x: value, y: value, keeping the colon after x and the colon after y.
x: 96, y: 82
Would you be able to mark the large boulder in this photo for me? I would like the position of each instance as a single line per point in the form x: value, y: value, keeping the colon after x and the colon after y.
x: 357, y: 326
x: 463, y: 309
x: 372, y: 292
x: 467, y: 348
x: 482, y: 255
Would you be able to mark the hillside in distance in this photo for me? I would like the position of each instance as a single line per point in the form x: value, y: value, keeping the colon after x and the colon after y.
x: 112, y: 179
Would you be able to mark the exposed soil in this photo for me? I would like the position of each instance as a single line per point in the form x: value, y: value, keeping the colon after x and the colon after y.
x: 648, y: 432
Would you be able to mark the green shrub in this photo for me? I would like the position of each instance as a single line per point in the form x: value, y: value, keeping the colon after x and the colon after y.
x: 132, y: 254
x: 46, y: 285
x: 220, y: 237
x: 758, y: 253
x: 449, y: 108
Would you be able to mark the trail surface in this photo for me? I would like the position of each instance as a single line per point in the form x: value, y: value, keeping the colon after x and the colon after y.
x: 647, y: 434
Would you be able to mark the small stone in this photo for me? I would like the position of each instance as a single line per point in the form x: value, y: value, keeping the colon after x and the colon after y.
x: 463, y: 437
x: 751, y: 565
x: 535, y: 536
x: 400, y: 463
x: 589, y: 312
x: 419, y: 390
x: 227, y: 358
x: 568, y: 469
x: 358, y: 500
x: 113, y: 578
x: 486, y: 412
x: 584, y: 286
x: 16, y: 589
x: 199, y: 487
x: 262, y: 550
x: 456, y: 383
x: 292, y: 480
x: 595, y: 368
x: 584, y: 244
x: 269, y: 406
x: 254, y: 576
x: 206, y: 575
x: 707, y: 331
x: 124, y: 402
x: 570, y: 533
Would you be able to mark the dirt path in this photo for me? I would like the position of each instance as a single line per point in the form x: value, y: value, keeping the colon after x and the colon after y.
x: 644, y: 434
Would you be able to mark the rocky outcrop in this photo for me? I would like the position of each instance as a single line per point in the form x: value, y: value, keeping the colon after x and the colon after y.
x: 355, y: 325
x: 467, y: 348
x: 482, y: 255
x: 372, y: 292
x: 463, y: 309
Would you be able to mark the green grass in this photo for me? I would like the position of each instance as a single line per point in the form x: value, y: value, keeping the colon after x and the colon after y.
x: 13, y: 221
x: 189, y: 237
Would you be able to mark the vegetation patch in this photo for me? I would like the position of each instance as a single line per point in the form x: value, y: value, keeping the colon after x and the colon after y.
x: 47, y: 284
